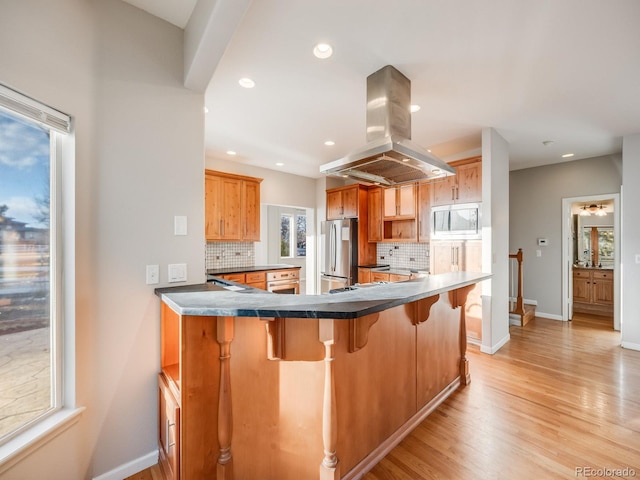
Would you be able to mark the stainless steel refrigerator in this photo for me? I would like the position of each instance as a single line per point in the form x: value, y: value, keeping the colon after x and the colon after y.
x: 340, y: 260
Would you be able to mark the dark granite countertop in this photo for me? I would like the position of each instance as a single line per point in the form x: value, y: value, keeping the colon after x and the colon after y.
x: 253, y: 268
x: 216, y: 300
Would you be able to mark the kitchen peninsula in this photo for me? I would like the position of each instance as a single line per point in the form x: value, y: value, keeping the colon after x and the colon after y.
x: 257, y: 385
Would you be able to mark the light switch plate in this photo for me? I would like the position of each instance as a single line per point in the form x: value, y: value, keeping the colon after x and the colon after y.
x: 153, y: 274
x: 177, y: 272
x: 179, y: 225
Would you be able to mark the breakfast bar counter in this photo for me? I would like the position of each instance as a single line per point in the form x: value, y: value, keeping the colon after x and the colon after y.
x: 258, y: 385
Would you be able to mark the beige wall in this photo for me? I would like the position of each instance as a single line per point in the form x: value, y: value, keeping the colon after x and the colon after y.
x: 535, y: 211
x: 139, y: 162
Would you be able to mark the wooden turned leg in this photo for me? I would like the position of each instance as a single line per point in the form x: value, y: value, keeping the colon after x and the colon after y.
x: 224, y: 469
x: 329, y: 468
x: 465, y: 376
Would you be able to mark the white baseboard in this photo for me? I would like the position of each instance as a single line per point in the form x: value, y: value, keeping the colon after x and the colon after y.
x: 134, y: 466
x: 550, y: 316
x: 493, y: 349
x: 526, y: 301
x: 631, y: 346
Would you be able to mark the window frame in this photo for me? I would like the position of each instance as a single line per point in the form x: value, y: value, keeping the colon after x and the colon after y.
x: 63, y: 412
x: 293, y: 234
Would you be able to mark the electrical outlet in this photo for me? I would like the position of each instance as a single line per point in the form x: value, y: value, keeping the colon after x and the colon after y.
x: 153, y: 274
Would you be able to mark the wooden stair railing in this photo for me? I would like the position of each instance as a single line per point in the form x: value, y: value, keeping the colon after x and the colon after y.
x: 526, y: 312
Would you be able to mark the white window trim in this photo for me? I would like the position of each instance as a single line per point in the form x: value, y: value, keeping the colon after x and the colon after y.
x: 67, y: 413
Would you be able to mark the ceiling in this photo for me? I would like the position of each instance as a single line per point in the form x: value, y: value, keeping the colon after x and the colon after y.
x: 566, y: 72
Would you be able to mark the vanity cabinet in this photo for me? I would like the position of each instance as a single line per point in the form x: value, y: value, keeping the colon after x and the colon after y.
x: 593, y: 291
x: 463, y: 187
x: 232, y: 207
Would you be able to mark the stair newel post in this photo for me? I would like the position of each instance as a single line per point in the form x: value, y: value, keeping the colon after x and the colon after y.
x: 225, y: 417
x: 329, y: 468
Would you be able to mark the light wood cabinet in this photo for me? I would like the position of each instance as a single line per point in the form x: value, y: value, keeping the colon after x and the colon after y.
x: 375, y: 215
x: 463, y: 187
x: 593, y: 291
x: 256, y: 279
x: 400, y: 202
x: 232, y: 207
x: 424, y: 212
x: 351, y: 201
x: 168, y: 430
x: 343, y: 202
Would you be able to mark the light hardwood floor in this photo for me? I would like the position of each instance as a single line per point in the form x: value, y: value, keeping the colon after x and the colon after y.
x: 557, y: 398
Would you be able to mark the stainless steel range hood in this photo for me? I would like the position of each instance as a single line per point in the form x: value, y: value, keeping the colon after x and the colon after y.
x: 389, y: 157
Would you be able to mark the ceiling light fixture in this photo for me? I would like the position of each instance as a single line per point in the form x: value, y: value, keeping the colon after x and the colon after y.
x: 279, y: 164
x: 593, y: 209
x: 323, y: 50
x: 246, y: 82
x: 567, y: 155
x: 206, y: 110
x: 329, y: 143
x: 231, y: 152
x: 414, y: 108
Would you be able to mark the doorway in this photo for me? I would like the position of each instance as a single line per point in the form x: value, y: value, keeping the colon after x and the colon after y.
x: 590, y: 246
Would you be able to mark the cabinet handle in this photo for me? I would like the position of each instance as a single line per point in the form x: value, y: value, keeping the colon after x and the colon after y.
x: 222, y: 227
x: 169, y: 425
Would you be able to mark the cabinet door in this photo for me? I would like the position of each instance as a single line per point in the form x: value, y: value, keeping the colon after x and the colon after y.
x: 469, y: 183
x: 350, y: 202
x: 364, y: 275
x: 441, y: 257
x: 169, y: 430
x: 602, y: 288
x: 581, y: 287
x: 395, y: 277
x: 374, y: 233
x: 443, y: 191
x: 472, y: 260
x: 407, y: 201
x: 213, y: 207
x: 424, y: 212
x: 232, y: 209
x: 251, y: 211
x: 334, y: 205
x: 390, y: 208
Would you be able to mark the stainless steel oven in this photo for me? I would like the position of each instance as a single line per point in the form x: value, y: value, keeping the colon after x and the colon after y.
x: 283, y: 281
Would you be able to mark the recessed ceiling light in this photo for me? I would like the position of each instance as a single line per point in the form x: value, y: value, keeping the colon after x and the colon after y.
x: 206, y: 110
x: 231, y: 152
x: 246, y: 82
x: 567, y: 155
x: 405, y: 159
x: 323, y: 50
x: 279, y: 164
x: 414, y: 108
x: 329, y: 143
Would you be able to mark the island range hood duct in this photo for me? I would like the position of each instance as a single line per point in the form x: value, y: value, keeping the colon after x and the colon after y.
x: 389, y: 157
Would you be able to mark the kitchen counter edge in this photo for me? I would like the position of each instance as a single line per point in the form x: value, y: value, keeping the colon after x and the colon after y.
x: 205, y: 300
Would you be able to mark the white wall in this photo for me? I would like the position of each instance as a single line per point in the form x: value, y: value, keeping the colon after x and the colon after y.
x: 139, y: 161
x: 495, y: 240
x: 630, y: 242
x: 535, y: 207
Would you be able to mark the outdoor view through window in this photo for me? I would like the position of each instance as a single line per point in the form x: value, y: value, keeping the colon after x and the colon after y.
x: 26, y: 386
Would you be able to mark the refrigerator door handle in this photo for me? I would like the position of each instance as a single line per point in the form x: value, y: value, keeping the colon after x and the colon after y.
x: 334, y: 240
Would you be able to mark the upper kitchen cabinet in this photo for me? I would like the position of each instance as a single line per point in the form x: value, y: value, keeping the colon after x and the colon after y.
x: 375, y: 214
x: 400, y: 202
x: 343, y: 202
x: 463, y: 187
x: 424, y: 212
x: 232, y: 207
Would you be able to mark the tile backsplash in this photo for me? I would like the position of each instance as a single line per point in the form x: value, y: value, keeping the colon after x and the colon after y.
x: 229, y: 254
x: 403, y: 255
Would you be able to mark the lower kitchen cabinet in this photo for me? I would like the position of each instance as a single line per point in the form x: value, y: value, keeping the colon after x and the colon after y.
x: 168, y: 429
x: 464, y: 256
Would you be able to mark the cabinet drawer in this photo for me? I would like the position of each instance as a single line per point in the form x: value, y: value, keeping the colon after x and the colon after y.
x: 234, y: 277
x: 602, y: 275
x: 379, y: 277
x: 169, y: 430
x: 395, y: 277
x: 255, y: 277
x: 580, y: 274
x: 293, y: 273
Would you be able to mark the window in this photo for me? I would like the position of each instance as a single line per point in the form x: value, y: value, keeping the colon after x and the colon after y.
x: 293, y: 235
x: 32, y: 137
